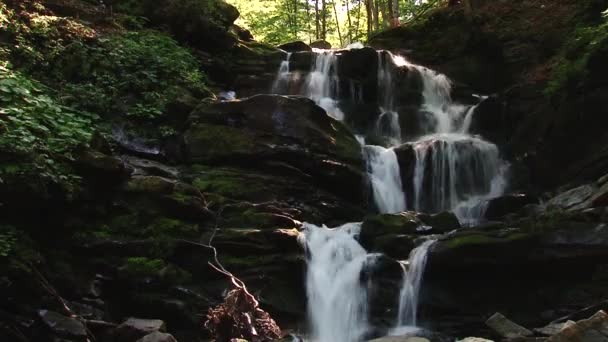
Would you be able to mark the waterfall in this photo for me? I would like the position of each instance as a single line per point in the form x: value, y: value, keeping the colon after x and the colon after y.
x: 384, y: 174
x: 281, y: 82
x: 453, y: 170
x: 322, y: 83
x: 337, y: 301
x: 410, y: 289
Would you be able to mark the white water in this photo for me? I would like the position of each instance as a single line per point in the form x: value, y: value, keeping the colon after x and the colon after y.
x: 384, y: 174
x: 454, y: 170
x: 337, y: 301
x: 322, y: 83
x: 281, y: 82
x: 410, y: 289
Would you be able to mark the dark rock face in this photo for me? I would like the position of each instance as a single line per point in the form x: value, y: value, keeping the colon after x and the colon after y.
x: 501, y: 206
x: 268, y: 132
x: 296, y: 46
x: 63, y: 326
x: 321, y: 44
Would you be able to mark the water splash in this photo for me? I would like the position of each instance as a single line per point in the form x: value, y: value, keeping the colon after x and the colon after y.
x: 322, y: 83
x: 337, y: 301
x: 384, y: 174
x: 281, y: 82
x: 410, y: 289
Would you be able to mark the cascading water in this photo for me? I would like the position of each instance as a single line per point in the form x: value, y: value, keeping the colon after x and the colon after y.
x: 322, y: 83
x: 281, y: 82
x: 385, y: 178
x: 337, y: 301
x: 452, y: 170
x: 410, y: 289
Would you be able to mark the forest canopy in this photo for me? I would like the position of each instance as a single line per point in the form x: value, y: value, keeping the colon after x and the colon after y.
x: 340, y: 22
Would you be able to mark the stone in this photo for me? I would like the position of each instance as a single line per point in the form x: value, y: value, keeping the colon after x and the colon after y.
x: 384, y: 224
x: 501, y: 206
x: 63, y: 326
x: 506, y: 328
x: 441, y: 222
x: 157, y: 337
x: 474, y: 339
x: 573, y: 197
x: 593, y: 329
x: 400, y: 339
x: 552, y: 328
x: 295, y: 46
x: 136, y: 328
x: 321, y: 44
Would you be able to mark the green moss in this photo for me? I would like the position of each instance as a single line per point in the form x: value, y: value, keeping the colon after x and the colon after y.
x: 483, y: 239
x: 233, y: 183
x: 571, y: 71
x: 143, y: 267
x: 208, y: 142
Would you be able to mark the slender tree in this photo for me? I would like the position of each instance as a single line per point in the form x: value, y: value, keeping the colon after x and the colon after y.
x: 350, y: 24
x: 317, y: 20
x: 337, y: 23
x: 323, y: 20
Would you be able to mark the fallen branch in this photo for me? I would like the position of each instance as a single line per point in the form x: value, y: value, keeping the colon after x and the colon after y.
x: 239, y: 316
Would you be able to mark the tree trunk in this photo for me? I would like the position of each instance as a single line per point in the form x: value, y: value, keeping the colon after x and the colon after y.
x: 317, y: 19
x: 376, y: 15
x: 468, y: 9
x: 370, y: 18
x: 358, y: 20
x: 308, y: 21
x: 350, y: 24
x: 385, y: 13
x: 396, y: 14
x: 337, y: 23
x: 323, y: 20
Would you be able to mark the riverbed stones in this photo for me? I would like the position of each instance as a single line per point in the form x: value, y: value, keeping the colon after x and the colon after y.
x: 506, y: 328
x: 157, y: 336
x: 593, y: 329
x: 63, y: 326
x: 136, y: 328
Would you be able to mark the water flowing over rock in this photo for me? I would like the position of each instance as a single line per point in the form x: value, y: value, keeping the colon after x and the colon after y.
x: 337, y: 301
x: 385, y: 178
x: 410, y: 290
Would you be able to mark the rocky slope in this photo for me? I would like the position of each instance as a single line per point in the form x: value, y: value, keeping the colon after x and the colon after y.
x: 115, y: 218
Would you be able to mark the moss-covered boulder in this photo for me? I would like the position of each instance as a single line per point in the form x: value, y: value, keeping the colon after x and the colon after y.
x: 281, y: 134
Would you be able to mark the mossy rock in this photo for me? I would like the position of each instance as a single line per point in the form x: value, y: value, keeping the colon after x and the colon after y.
x: 385, y: 224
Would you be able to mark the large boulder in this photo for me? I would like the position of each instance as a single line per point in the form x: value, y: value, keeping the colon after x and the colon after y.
x: 63, y: 326
x: 295, y: 46
x: 593, y: 329
x: 203, y: 24
x: 508, y: 204
x: 321, y: 44
x: 135, y: 328
x: 264, y: 130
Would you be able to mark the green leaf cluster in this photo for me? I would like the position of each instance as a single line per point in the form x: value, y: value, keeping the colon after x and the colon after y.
x: 571, y: 70
x: 133, y: 73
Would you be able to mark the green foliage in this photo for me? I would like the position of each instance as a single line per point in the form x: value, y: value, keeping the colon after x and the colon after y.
x: 143, y: 267
x: 8, y: 240
x: 570, y: 72
x: 35, y: 125
x: 132, y: 73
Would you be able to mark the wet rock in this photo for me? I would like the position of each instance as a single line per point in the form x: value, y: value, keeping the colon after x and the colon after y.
x: 295, y: 46
x: 321, y: 44
x: 135, y: 328
x: 384, y: 224
x: 573, y: 198
x: 505, y: 327
x: 157, y: 337
x: 594, y: 329
x: 63, y: 326
x: 400, y: 339
x: 475, y: 339
x: 103, y: 168
x: 266, y: 129
x: 501, y: 206
x: 441, y: 222
x: 553, y: 328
